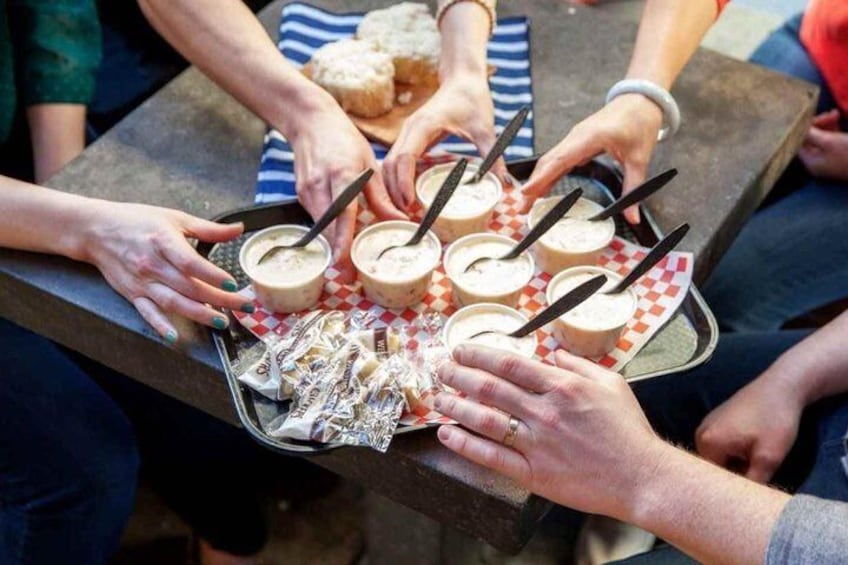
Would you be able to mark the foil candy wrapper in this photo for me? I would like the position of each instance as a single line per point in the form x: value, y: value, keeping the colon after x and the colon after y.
x: 347, y: 383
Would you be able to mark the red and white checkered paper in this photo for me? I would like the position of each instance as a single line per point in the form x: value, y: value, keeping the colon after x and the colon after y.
x: 660, y: 292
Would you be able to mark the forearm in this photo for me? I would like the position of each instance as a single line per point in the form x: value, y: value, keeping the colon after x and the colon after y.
x: 58, y: 136
x: 817, y: 367
x: 669, y: 34
x: 707, y: 512
x: 226, y: 41
x: 465, y: 34
x: 43, y: 220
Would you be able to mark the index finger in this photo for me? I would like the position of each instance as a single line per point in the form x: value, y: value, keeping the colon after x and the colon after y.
x: 566, y: 155
x: 378, y: 198
x: 187, y: 261
x: 526, y: 373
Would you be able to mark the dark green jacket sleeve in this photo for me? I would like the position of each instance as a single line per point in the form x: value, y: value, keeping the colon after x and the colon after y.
x: 57, y: 49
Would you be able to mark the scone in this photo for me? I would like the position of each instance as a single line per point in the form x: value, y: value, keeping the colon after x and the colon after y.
x: 359, y: 77
x: 408, y: 33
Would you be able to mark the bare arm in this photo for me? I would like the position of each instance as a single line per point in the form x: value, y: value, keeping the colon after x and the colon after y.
x: 583, y: 441
x: 141, y: 251
x: 462, y: 105
x: 627, y: 127
x: 226, y: 41
x: 58, y: 136
x: 754, y: 430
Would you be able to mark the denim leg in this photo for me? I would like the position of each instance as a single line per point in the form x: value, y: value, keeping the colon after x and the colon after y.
x: 790, y: 258
x: 68, y: 461
x: 782, y: 51
x: 676, y: 404
x: 827, y: 478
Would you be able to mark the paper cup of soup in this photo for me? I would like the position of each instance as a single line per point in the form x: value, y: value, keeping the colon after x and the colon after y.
x: 291, y: 280
x: 573, y: 240
x: 401, y: 277
x: 494, y: 280
x: 471, y: 320
x: 593, y: 328
x: 469, y: 209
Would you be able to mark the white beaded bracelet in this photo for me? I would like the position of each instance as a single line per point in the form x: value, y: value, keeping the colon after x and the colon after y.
x: 658, y: 95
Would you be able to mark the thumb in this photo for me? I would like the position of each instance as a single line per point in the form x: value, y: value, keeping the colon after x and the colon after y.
x: 205, y: 230
x: 399, y: 165
x: 818, y: 137
x: 566, y: 155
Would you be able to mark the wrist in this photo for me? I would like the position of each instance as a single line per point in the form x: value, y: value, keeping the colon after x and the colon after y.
x: 81, y: 230
x: 792, y: 378
x: 646, y: 489
x: 300, y: 109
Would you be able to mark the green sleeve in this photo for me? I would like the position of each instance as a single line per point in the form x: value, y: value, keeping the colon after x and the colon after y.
x: 57, y: 49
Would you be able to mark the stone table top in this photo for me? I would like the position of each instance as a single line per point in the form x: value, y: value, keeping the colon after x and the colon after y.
x: 193, y: 147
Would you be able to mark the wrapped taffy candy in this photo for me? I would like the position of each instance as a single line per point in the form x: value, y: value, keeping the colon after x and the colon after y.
x: 346, y: 383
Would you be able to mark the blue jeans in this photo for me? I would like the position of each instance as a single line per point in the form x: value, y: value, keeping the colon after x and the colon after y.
x: 677, y: 404
x: 68, y: 461
x: 790, y: 257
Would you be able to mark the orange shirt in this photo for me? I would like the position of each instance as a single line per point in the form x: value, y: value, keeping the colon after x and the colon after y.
x: 824, y: 34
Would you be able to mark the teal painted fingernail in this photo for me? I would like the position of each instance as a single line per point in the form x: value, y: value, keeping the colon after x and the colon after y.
x: 229, y: 286
x: 248, y: 307
x: 171, y: 336
x: 219, y: 323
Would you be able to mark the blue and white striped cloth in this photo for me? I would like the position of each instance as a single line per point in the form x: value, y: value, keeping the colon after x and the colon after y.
x: 304, y: 28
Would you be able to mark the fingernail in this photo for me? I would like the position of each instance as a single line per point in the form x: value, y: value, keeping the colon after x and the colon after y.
x: 220, y: 323
x: 248, y: 307
x: 229, y: 286
x: 458, y: 352
x: 444, y: 433
x: 171, y: 336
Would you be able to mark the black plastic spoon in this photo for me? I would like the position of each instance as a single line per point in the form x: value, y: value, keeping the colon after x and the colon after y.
x: 565, y: 303
x: 336, y: 208
x: 653, y: 257
x: 547, y: 222
x: 445, y: 192
x: 507, y: 135
x: 636, y: 195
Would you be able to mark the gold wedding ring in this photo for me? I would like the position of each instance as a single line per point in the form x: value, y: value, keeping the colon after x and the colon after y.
x: 511, y: 432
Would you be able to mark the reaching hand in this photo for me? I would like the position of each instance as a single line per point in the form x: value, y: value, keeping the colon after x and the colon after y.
x: 825, y: 149
x: 461, y: 106
x: 329, y: 154
x: 582, y: 440
x: 143, y: 253
x: 752, y: 432
x: 626, y: 128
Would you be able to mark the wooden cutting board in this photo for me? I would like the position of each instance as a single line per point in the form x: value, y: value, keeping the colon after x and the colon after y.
x: 386, y: 128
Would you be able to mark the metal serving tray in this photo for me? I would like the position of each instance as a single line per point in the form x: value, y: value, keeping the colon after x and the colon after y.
x: 685, y: 342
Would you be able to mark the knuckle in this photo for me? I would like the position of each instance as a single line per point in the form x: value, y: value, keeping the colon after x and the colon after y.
x: 487, y: 389
x: 489, y: 422
x: 548, y: 417
x: 508, y: 365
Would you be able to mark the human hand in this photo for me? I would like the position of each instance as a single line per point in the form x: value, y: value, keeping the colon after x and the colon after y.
x: 143, y: 253
x: 461, y: 106
x: 752, y: 432
x: 828, y: 121
x: 329, y: 154
x: 825, y: 149
x: 626, y: 128
x: 582, y: 441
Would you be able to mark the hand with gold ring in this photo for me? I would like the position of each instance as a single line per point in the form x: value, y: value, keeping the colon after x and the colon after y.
x: 565, y: 432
